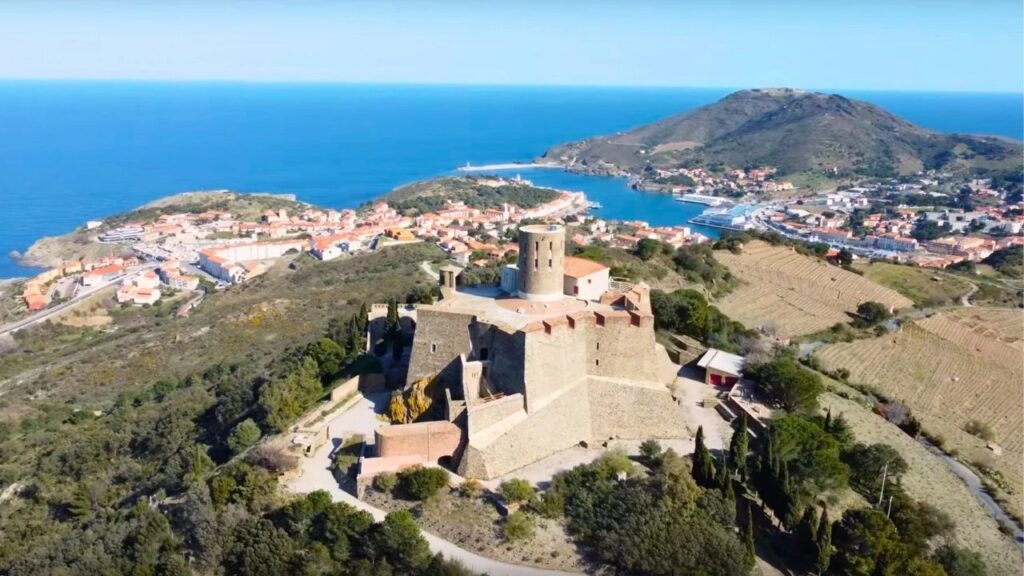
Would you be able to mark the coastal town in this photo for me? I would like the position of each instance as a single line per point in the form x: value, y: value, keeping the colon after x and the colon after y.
x: 929, y: 221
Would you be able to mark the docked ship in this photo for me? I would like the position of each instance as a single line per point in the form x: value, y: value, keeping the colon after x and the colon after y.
x: 732, y: 218
x: 702, y: 199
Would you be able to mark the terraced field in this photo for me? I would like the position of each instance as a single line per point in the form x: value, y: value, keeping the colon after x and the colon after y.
x: 993, y: 334
x: 950, y: 369
x: 796, y: 293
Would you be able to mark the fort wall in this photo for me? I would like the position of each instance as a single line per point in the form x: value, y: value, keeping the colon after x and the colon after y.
x: 441, y: 337
x: 564, y: 422
x: 435, y: 440
x: 633, y: 411
x: 491, y: 412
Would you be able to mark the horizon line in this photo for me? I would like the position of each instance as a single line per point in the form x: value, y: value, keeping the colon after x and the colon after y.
x: 118, y: 80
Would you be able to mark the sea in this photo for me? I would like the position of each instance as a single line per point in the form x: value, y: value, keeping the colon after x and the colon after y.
x: 74, y: 151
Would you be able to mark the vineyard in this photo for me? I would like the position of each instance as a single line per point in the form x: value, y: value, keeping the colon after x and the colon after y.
x: 798, y: 294
x: 949, y: 370
x: 993, y: 334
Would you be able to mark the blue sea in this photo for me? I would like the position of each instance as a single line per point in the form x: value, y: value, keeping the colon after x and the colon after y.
x: 73, y: 151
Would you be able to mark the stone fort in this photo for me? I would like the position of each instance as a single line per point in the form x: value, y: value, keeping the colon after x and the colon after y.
x: 550, y: 359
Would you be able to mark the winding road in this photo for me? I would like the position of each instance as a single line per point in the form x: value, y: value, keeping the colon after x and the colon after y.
x: 44, y: 315
x: 315, y: 475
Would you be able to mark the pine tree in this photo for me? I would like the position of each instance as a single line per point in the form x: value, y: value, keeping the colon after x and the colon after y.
x: 824, y: 542
x: 738, y: 450
x: 748, y: 537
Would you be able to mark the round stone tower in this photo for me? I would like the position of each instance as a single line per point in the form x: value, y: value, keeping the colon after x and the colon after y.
x: 541, y: 262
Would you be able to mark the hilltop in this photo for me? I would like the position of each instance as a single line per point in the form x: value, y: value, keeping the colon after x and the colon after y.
x: 795, y: 131
x: 475, y: 191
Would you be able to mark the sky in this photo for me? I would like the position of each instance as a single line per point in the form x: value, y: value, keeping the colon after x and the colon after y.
x: 942, y: 45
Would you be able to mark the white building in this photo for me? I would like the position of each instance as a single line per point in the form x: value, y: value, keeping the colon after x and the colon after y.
x: 585, y: 279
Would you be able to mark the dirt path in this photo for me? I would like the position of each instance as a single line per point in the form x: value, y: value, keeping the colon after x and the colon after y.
x: 315, y: 475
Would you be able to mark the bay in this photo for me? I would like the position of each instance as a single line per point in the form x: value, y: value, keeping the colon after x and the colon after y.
x: 73, y: 151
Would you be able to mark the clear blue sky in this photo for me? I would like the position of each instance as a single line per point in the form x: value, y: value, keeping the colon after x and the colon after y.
x: 966, y: 45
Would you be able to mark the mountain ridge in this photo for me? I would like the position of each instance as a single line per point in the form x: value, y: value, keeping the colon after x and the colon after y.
x: 793, y: 130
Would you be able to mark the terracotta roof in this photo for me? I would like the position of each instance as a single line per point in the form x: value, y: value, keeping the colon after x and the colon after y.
x: 580, y: 267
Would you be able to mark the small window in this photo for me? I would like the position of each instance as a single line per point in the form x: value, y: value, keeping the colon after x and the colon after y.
x: 598, y: 345
x: 536, y: 263
x: 551, y: 246
x: 433, y: 348
x: 549, y: 262
x: 597, y: 362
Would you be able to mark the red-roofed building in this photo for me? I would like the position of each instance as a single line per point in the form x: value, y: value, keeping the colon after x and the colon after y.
x: 585, y: 279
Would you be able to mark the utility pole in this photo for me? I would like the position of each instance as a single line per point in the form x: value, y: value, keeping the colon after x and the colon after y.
x: 881, y: 492
x: 889, y: 511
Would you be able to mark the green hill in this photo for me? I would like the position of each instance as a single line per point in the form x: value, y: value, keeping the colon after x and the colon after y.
x: 794, y: 131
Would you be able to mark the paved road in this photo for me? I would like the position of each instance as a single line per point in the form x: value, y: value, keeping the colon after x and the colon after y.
x: 975, y: 487
x: 315, y: 475
x: 46, y: 314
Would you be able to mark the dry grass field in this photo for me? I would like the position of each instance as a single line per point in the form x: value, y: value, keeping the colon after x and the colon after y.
x: 950, y: 369
x: 929, y: 480
x: 798, y: 294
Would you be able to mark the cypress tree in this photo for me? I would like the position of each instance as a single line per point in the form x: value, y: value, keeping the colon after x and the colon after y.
x: 824, y: 542
x: 354, y: 346
x: 722, y: 478
x: 806, y: 533
x: 748, y: 537
x: 703, y: 467
x: 362, y: 317
x: 827, y: 426
x: 738, y: 449
x: 392, y: 318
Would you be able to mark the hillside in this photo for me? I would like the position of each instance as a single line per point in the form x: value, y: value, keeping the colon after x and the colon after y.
x: 476, y: 192
x: 795, y: 294
x: 794, y: 131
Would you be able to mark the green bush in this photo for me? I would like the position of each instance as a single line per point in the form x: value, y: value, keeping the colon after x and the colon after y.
x: 550, y: 505
x: 421, y: 483
x: 244, y: 435
x: 519, y: 527
x: 385, y: 482
x: 516, y: 491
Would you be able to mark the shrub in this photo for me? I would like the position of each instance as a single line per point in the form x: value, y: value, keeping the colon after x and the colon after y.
x: 551, y: 504
x: 516, y: 491
x: 650, y: 450
x: 979, y: 429
x: 519, y: 527
x: 385, y: 482
x: 421, y: 483
x: 244, y: 435
x: 471, y: 488
x: 273, y: 459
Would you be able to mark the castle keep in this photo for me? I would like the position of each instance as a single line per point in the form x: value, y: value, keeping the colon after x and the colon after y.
x: 536, y: 366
